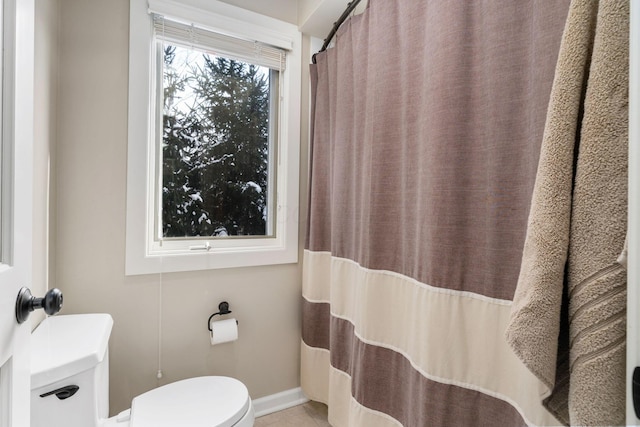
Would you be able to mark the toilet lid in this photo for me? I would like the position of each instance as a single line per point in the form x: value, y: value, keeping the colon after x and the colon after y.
x: 194, y: 402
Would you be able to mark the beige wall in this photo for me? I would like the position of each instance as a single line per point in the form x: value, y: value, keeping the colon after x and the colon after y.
x: 89, y: 231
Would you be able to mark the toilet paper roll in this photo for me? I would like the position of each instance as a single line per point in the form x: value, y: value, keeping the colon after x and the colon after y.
x: 224, y: 331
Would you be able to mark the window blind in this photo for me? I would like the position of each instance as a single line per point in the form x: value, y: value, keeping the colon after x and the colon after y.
x: 219, y: 44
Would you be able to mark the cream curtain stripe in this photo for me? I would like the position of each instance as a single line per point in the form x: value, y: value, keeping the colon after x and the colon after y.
x: 467, y: 338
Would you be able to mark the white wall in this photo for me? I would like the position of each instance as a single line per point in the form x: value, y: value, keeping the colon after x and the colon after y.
x: 89, y: 234
x: 316, y: 17
x: 46, y: 42
x: 284, y: 10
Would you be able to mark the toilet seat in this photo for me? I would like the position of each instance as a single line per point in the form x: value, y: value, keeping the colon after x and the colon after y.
x: 194, y: 402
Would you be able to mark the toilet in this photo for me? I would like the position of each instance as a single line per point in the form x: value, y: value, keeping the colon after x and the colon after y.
x: 70, y: 384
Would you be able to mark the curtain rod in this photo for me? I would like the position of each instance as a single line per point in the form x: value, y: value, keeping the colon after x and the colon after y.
x: 350, y: 6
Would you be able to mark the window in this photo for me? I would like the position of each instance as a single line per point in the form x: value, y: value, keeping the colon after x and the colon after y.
x: 213, y: 137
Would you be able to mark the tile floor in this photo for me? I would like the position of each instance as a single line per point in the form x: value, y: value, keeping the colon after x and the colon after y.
x: 311, y: 414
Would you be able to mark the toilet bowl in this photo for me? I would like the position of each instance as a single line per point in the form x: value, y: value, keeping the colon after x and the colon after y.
x: 70, y: 385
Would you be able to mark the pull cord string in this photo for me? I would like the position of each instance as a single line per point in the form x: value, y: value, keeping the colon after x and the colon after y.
x: 159, y: 373
x: 350, y: 7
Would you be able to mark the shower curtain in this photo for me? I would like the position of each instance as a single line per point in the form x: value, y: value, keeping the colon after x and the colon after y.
x: 427, y: 122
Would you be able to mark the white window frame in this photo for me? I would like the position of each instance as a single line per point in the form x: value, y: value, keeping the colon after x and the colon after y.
x: 143, y: 254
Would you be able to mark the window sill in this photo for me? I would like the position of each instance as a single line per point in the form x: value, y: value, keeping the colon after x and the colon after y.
x: 178, y: 261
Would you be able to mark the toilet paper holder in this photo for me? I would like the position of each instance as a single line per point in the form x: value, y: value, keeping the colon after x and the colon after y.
x: 224, y: 309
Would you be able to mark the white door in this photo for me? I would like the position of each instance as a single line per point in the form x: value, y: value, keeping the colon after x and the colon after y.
x: 16, y: 205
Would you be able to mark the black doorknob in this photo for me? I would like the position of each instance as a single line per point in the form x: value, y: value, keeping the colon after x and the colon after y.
x: 26, y: 303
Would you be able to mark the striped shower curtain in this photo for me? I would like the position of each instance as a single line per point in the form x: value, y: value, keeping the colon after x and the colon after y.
x: 427, y: 122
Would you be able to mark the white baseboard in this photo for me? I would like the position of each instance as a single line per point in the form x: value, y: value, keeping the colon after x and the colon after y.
x: 279, y: 401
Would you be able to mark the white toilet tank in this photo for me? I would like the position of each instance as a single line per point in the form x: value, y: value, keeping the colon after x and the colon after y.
x: 70, y: 371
